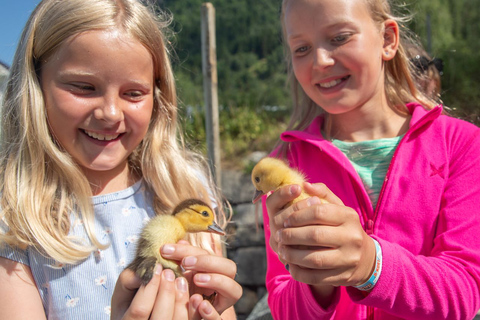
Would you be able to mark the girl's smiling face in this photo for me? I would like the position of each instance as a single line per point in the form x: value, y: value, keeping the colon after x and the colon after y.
x: 98, y: 90
x: 337, y: 53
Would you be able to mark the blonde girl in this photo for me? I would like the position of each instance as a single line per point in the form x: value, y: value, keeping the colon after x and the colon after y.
x: 397, y: 238
x: 90, y: 152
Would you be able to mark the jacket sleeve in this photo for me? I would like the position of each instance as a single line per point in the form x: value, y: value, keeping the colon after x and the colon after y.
x: 445, y: 284
x: 288, y: 298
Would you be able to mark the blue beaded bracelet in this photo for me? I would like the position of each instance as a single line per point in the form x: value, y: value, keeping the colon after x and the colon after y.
x: 376, y: 272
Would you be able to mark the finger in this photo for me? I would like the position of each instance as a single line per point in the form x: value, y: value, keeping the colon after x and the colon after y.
x: 144, y: 300
x: 181, y: 299
x: 322, y: 191
x: 180, y: 251
x: 312, y: 212
x: 165, y: 297
x: 210, y: 263
x: 195, y: 301
x: 281, y: 197
x: 125, y: 290
x: 208, y: 312
x: 228, y: 290
x: 331, y: 277
x: 316, y: 257
x: 314, y: 236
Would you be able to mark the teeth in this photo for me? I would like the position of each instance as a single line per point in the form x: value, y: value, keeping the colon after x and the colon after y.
x: 102, y: 137
x: 330, y: 84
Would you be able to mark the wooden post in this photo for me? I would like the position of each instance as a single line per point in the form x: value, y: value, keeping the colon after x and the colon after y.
x: 210, y: 87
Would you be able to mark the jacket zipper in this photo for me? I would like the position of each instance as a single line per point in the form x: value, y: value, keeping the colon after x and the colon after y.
x: 371, y: 222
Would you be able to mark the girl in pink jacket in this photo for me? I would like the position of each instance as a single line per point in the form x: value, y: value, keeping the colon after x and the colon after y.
x: 398, y: 236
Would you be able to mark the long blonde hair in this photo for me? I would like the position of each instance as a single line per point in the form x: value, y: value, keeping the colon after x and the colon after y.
x: 400, y: 87
x: 40, y: 184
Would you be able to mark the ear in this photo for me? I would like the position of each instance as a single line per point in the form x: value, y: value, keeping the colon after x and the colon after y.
x: 391, y: 39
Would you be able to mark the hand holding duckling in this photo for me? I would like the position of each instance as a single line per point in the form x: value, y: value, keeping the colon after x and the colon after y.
x: 323, y: 244
x: 191, y: 215
x: 161, y: 292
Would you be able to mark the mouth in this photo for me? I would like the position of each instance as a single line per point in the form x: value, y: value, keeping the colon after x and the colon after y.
x: 257, y: 196
x: 215, y: 228
x: 333, y: 83
x: 102, y: 137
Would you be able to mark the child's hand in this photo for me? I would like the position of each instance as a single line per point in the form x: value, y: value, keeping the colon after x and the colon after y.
x: 163, y: 297
x: 209, y: 275
x: 323, y: 244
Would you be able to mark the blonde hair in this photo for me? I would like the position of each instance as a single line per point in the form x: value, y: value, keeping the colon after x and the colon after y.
x: 399, y: 84
x: 41, y: 185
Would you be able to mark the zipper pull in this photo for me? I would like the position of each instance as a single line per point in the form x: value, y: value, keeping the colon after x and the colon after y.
x: 369, y: 226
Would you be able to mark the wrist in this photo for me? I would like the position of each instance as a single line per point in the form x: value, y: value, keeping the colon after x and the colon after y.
x: 377, y: 270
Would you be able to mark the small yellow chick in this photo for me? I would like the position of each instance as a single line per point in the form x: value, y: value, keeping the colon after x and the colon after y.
x: 191, y: 215
x: 269, y: 174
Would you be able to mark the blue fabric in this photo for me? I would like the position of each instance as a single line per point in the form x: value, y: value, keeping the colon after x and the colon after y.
x: 84, y: 291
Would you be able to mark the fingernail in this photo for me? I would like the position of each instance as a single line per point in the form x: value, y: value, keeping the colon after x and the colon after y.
x: 189, y: 262
x: 169, y: 275
x: 168, y: 249
x: 293, y: 189
x: 158, y: 269
x: 181, y: 284
x: 277, y: 236
x: 207, y: 308
x: 202, y: 277
x: 196, y: 302
x: 281, y: 252
x: 313, y: 201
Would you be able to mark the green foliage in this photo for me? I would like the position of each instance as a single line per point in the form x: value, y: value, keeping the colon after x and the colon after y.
x: 455, y: 38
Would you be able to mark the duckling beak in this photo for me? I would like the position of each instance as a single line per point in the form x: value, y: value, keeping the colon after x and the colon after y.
x: 214, y: 228
x: 257, y: 196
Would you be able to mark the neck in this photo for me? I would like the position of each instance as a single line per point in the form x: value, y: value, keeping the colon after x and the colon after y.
x: 104, y: 182
x: 364, y: 124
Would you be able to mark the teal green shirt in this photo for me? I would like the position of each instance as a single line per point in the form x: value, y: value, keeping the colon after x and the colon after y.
x: 371, y: 160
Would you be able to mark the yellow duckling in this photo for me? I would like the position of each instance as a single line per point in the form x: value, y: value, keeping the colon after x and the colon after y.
x: 191, y: 215
x: 269, y: 174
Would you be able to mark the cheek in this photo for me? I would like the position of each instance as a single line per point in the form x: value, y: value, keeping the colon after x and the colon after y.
x: 141, y: 115
x: 300, y: 71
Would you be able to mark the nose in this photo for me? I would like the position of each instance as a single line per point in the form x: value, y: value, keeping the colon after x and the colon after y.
x: 109, y: 109
x: 323, y: 58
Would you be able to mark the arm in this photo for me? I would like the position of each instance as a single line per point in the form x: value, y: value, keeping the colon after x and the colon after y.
x: 19, y: 296
x: 444, y: 282
x: 324, y: 246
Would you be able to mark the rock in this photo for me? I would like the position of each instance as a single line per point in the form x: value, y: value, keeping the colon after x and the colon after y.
x: 251, y: 266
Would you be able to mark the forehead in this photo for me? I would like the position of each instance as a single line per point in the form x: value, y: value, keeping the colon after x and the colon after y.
x: 310, y: 14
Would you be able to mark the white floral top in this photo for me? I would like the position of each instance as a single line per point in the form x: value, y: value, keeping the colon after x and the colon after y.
x: 84, y: 291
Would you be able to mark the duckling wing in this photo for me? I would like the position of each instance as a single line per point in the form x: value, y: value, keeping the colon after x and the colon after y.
x: 159, y: 231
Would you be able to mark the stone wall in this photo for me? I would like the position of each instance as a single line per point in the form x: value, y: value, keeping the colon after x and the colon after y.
x: 245, y: 241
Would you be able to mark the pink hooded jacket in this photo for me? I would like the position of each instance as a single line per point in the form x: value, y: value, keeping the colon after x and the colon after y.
x: 427, y: 222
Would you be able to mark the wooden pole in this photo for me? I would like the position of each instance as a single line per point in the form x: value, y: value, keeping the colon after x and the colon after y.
x: 210, y: 88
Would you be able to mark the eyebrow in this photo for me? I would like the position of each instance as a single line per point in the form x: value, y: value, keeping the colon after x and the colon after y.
x: 335, y: 25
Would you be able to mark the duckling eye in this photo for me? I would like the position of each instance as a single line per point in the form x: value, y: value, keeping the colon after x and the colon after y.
x: 204, y: 213
x: 257, y: 179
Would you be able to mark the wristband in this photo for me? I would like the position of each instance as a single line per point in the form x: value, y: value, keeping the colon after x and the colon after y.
x: 376, y: 271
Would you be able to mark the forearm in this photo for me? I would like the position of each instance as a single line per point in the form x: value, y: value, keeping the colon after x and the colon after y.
x: 423, y: 287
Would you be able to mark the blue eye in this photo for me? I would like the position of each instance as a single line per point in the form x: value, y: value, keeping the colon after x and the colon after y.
x: 302, y: 49
x: 341, y: 38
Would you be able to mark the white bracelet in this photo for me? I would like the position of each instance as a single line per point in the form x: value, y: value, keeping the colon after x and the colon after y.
x: 376, y: 272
